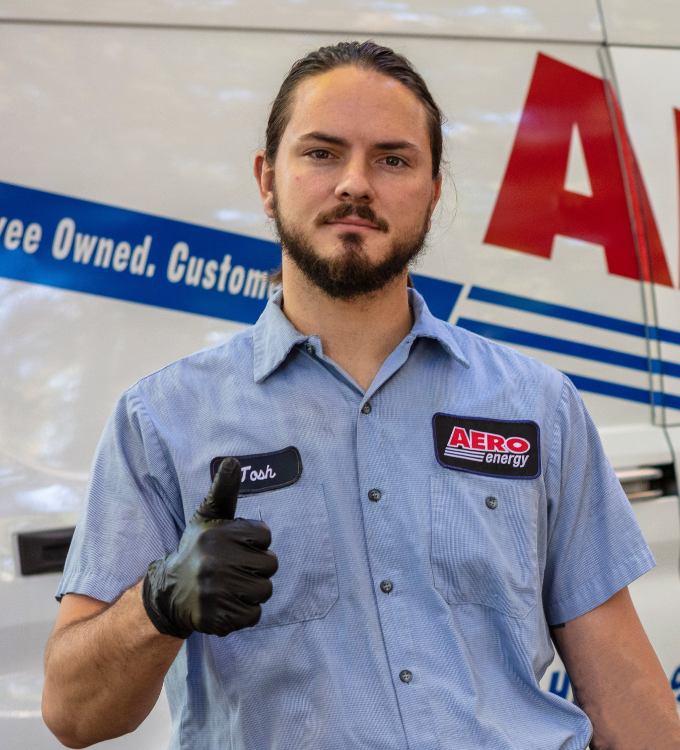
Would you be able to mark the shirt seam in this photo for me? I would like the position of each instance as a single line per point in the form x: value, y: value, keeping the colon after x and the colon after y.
x: 137, y: 403
x: 247, y: 333
x: 552, y: 448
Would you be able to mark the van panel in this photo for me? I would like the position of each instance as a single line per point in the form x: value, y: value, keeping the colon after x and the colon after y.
x: 652, y: 23
x: 529, y: 19
x: 649, y: 86
x: 189, y: 112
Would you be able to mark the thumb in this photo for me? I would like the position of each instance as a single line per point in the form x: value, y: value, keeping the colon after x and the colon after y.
x: 220, y: 502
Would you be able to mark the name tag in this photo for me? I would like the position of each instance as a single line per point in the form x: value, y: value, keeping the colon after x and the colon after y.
x: 494, y: 448
x: 265, y: 471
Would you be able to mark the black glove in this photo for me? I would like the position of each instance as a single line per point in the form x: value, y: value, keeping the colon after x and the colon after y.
x: 219, y: 575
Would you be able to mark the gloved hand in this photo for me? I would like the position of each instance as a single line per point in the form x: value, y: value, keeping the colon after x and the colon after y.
x: 219, y: 575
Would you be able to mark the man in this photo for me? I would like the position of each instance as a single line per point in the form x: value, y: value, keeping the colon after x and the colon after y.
x: 439, y: 505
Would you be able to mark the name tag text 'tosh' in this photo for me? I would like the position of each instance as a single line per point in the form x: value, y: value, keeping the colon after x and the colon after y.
x: 265, y: 471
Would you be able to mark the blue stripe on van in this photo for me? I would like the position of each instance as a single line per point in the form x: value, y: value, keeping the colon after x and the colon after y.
x: 572, y: 314
x: 627, y: 392
x: 564, y: 346
x: 664, y: 334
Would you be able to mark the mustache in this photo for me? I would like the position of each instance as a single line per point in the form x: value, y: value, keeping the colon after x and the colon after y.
x: 344, y: 210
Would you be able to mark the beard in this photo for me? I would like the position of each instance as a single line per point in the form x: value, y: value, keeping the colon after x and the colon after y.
x: 352, y: 274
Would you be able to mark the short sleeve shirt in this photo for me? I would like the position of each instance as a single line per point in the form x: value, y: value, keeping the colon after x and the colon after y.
x: 418, y: 573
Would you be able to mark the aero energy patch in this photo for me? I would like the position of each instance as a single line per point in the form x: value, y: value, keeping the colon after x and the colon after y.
x: 495, y: 448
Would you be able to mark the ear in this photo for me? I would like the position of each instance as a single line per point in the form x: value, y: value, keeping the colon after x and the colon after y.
x: 436, y: 195
x: 264, y: 174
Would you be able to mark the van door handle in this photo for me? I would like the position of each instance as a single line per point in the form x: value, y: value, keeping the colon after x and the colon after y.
x: 43, y: 551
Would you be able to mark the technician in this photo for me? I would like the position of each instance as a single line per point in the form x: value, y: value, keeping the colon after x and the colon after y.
x: 438, y: 506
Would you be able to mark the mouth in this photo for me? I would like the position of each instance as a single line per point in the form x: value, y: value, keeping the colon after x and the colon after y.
x: 353, y: 224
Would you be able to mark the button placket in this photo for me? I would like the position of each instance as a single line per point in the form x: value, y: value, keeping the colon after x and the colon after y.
x: 385, y: 554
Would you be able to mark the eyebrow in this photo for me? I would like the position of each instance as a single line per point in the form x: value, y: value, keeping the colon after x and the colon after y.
x: 317, y: 135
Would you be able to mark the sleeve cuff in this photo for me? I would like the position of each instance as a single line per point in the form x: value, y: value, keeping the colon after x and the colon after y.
x: 99, y: 587
x: 600, y: 589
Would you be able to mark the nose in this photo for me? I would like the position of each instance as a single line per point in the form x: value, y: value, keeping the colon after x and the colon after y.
x: 355, y: 183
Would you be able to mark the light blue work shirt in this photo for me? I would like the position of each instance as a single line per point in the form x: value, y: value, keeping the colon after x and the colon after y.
x: 473, y: 588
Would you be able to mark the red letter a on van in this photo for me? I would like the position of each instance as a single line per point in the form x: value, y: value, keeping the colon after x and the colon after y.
x: 533, y: 206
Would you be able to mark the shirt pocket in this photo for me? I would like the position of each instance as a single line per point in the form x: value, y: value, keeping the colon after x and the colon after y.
x: 484, y: 552
x: 306, y: 583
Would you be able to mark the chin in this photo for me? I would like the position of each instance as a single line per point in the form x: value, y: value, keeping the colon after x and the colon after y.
x: 353, y: 244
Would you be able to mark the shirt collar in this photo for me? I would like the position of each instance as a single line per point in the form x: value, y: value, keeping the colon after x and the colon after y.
x: 427, y: 326
x: 274, y: 335
x: 273, y: 338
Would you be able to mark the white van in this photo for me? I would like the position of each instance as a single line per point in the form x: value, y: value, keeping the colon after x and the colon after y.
x: 131, y: 234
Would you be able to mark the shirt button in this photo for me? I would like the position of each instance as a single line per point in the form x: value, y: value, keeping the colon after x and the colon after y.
x: 374, y: 495
x: 310, y: 348
x: 405, y: 676
x: 366, y: 408
x: 386, y: 587
x: 491, y: 502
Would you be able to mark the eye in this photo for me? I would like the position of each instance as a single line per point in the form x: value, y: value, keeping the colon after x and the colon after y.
x: 319, y: 153
x: 394, y: 161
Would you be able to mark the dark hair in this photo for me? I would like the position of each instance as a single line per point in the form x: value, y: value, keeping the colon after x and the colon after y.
x: 365, y: 56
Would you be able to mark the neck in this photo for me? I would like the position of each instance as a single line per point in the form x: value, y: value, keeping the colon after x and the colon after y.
x: 358, y: 334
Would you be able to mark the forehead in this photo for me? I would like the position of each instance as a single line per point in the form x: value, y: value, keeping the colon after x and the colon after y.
x: 358, y: 105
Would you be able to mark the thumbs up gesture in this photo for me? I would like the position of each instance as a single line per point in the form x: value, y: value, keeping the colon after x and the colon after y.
x: 219, y: 575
